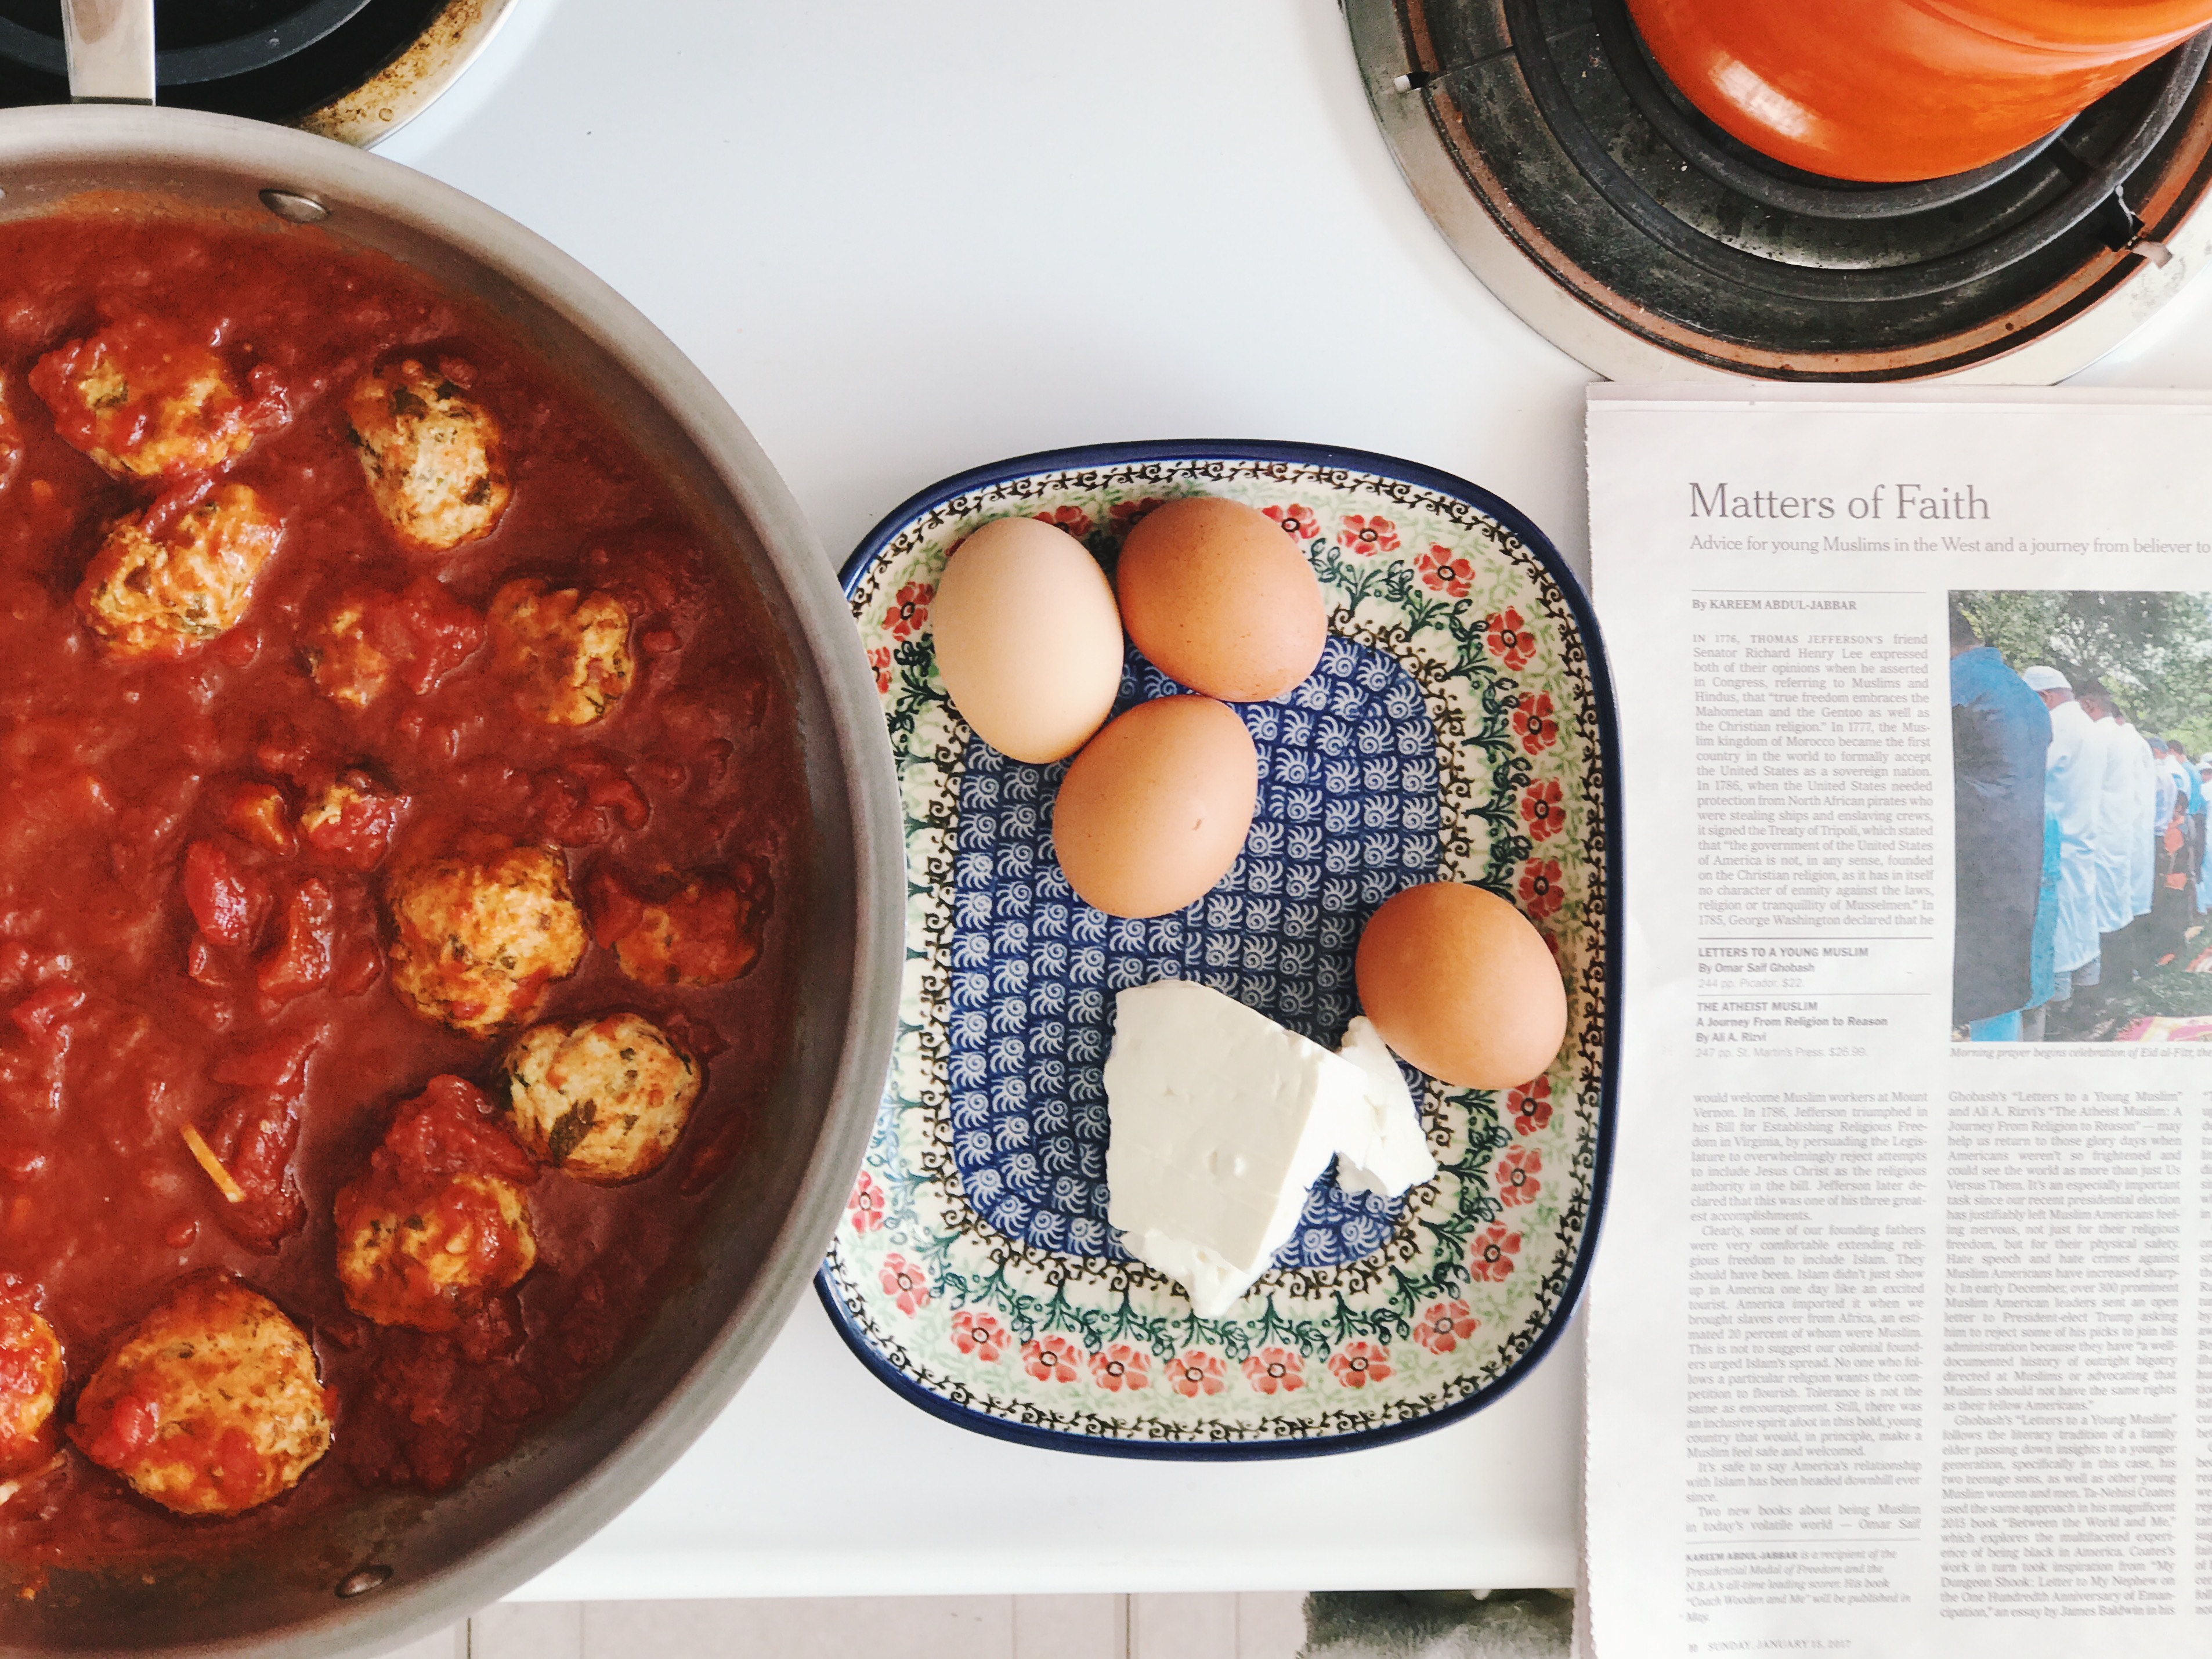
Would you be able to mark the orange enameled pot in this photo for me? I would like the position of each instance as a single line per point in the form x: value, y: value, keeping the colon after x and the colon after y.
x: 1899, y: 89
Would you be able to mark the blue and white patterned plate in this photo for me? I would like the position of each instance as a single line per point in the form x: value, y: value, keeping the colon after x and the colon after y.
x: 1459, y: 724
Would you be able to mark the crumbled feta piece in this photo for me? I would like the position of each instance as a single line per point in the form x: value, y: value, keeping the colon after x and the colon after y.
x: 1391, y: 1151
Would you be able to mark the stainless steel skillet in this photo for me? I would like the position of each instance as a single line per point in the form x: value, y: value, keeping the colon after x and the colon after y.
x: 362, y: 1582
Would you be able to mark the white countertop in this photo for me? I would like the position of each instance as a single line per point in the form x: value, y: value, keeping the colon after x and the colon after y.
x: 819, y: 1481
x: 907, y: 240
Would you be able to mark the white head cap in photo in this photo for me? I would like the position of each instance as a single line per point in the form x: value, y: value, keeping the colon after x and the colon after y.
x: 2044, y: 679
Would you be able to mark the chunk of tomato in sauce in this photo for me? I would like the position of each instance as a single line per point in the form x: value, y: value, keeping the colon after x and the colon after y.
x: 586, y: 799
x: 301, y: 962
x: 44, y: 1016
x: 11, y: 443
x: 453, y: 1127
x: 126, y: 1430
x: 259, y: 1131
x: 426, y: 632
x: 228, y: 901
x: 279, y: 1063
x: 254, y: 1141
x: 613, y: 905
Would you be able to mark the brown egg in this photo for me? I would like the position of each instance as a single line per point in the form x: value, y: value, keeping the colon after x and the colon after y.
x: 1028, y: 642
x: 1221, y: 600
x: 1154, y: 810
x: 1461, y: 983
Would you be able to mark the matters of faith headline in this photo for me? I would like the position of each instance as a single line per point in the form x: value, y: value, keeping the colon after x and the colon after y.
x: 1887, y: 500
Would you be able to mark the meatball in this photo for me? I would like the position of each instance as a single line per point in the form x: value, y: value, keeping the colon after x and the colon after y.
x: 566, y: 652
x: 30, y: 1383
x: 350, y: 822
x: 346, y: 668
x: 369, y: 639
x: 210, y: 1406
x: 604, y: 1101
x: 145, y: 400
x: 478, y: 933
x: 432, y: 456
x: 164, y: 585
x: 441, y: 1221
x: 699, y: 930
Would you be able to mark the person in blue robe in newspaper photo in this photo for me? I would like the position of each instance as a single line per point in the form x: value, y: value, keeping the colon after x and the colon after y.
x: 2204, y: 863
x: 2073, y: 784
x: 2000, y: 735
x: 2200, y: 806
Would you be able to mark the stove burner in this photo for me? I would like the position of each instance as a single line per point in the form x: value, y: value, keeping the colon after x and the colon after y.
x: 1576, y: 147
x: 209, y: 43
x: 354, y: 69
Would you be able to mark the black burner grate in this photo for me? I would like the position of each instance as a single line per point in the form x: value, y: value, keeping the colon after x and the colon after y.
x: 273, y: 60
x: 1580, y: 151
x: 2014, y: 195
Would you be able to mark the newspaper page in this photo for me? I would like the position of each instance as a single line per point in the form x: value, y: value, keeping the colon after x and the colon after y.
x: 1900, y: 1335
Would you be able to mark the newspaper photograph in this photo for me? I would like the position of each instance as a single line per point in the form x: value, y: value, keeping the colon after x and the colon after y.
x: 2082, y: 742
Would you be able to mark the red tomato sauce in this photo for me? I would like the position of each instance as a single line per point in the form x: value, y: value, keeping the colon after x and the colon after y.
x: 176, y: 951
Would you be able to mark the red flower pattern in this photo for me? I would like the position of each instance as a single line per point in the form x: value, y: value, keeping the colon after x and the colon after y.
x: 1124, y: 515
x: 1369, y: 535
x: 1298, y: 522
x: 880, y: 660
x: 905, y: 1284
x: 910, y: 610
x: 1050, y: 1358
x: 1532, y: 722
x: 1531, y: 1106
x: 1443, y: 1326
x: 1357, y: 1363
x: 865, y: 1205
x: 1121, y: 1367
x: 1275, y: 1369
x: 1540, y: 893
x: 1516, y: 1177
x: 1510, y: 640
x: 1073, y: 519
x: 1194, y: 1371
x: 1442, y: 570
x: 1541, y: 809
x: 1490, y: 1257
x: 979, y: 1335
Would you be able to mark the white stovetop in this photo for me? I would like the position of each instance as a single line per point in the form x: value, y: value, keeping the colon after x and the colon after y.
x: 905, y: 240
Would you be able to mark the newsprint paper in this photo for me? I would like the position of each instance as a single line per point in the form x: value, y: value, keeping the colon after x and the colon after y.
x: 1900, y: 1335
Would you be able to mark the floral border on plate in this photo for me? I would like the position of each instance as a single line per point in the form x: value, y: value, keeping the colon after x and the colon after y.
x: 1487, y: 1261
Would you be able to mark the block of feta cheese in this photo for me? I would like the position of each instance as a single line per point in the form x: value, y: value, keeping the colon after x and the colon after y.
x: 1391, y: 1151
x: 1221, y: 1121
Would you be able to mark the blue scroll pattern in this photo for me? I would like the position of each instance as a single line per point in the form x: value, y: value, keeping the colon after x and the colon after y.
x: 1349, y: 812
